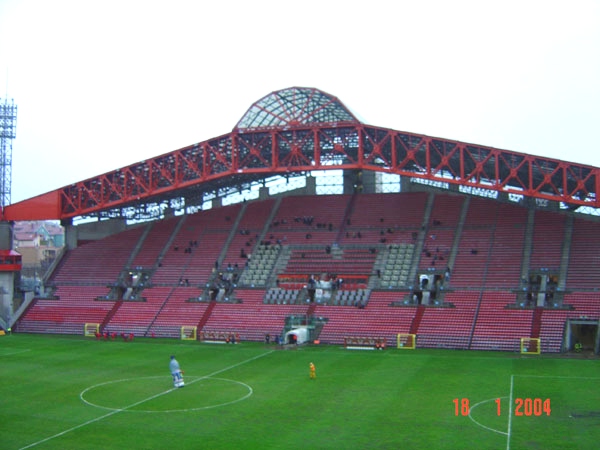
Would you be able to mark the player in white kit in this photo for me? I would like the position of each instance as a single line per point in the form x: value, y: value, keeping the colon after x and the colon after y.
x: 176, y: 373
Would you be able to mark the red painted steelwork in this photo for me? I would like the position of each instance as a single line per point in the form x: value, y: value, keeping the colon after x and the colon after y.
x: 304, y: 129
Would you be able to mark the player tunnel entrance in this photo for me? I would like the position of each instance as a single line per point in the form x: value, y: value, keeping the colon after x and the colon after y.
x: 582, y: 335
x: 297, y: 336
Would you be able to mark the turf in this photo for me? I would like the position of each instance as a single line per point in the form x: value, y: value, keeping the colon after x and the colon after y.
x: 72, y: 392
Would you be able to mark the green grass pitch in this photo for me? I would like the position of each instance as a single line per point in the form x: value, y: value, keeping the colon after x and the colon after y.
x: 70, y: 392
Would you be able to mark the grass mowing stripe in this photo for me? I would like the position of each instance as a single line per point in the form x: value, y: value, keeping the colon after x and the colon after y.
x: 15, y: 353
x: 377, y: 400
x: 96, y: 419
x: 140, y: 402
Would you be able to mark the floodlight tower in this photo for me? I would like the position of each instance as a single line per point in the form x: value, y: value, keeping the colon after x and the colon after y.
x: 8, y: 131
x: 10, y: 261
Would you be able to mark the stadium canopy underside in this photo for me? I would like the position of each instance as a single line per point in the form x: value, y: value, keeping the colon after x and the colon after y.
x: 300, y: 130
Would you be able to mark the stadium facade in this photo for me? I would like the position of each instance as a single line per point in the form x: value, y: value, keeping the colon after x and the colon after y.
x: 461, y: 245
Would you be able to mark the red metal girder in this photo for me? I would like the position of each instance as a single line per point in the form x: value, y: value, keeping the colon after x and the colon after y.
x: 546, y: 171
x: 512, y: 165
x: 337, y: 145
x: 441, y: 156
x: 253, y: 150
x: 317, y: 154
x: 342, y: 146
x: 163, y: 171
x: 477, y: 158
x: 584, y: 177
x: 274, y: 150
x: 189, y: 165
x: 377, y: 147
x: 235, y: 153
x: 218, y: 156
x: 115, y: 186
x: 410, y: 150
x: 296, y: 148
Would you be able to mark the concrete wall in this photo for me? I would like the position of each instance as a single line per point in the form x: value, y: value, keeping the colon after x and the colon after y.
x: 6, y: 296
x: 6, y: 235
x: 92, y: 231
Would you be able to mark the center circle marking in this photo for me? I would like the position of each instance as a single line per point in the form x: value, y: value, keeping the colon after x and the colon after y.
x: 190, y: 381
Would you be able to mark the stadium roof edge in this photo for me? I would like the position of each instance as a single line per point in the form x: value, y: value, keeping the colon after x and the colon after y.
x: 304, y: 129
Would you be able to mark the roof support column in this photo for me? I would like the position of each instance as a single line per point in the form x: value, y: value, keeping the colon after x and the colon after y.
x: 311, y: 185
x: 71, y: 233
x: 6, y: 235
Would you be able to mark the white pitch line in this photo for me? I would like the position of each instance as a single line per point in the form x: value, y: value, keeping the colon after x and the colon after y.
x: 248, y: 394
x: 96, y: 419
x: 563, y: 377
x: 480, y: 424
x: 137, y: 403
x: 510, y: 402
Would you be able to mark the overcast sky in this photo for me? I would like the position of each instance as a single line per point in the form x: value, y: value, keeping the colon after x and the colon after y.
x: 103, y: 84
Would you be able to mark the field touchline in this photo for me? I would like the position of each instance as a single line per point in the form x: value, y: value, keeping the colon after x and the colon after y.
x: 139, y: 403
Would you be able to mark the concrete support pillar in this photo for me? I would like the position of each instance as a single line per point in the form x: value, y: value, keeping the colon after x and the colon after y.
x: 369, y: 181
x: 311, y: 185
x: 6, y: 235
x: 7, y: 293
x: 263, y: 193
x: 353, y: 181
x: 7, y: 279
x: 405, y: 185
x: 71, y: 236
x: 217, y: 202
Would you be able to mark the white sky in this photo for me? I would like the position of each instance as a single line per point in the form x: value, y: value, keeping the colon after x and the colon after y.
x: 104, y: 84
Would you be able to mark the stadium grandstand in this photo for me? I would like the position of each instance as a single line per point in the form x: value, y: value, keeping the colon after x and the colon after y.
x: 303, y: 217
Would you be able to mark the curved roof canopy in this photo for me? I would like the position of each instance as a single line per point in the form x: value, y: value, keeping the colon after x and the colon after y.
x: 295, y: 106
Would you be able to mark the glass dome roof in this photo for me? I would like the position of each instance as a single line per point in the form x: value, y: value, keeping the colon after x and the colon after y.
x: 295, y: 106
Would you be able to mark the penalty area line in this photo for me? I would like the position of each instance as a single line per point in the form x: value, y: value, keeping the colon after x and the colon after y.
x: 112, y: 413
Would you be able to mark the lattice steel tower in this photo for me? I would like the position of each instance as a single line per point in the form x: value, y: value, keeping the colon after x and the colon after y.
x: 8, y: 131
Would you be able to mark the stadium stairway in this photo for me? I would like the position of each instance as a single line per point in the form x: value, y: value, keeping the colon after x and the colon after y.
x: 232, y: 234
x: 206, y: 316
x: 414, y: 326
x: 536, y: 326
x: 110, y: 314
x: 346, y: 217
x: 565, y: 254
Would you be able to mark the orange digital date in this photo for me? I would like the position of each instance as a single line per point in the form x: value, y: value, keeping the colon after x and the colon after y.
x: 523, y: 406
